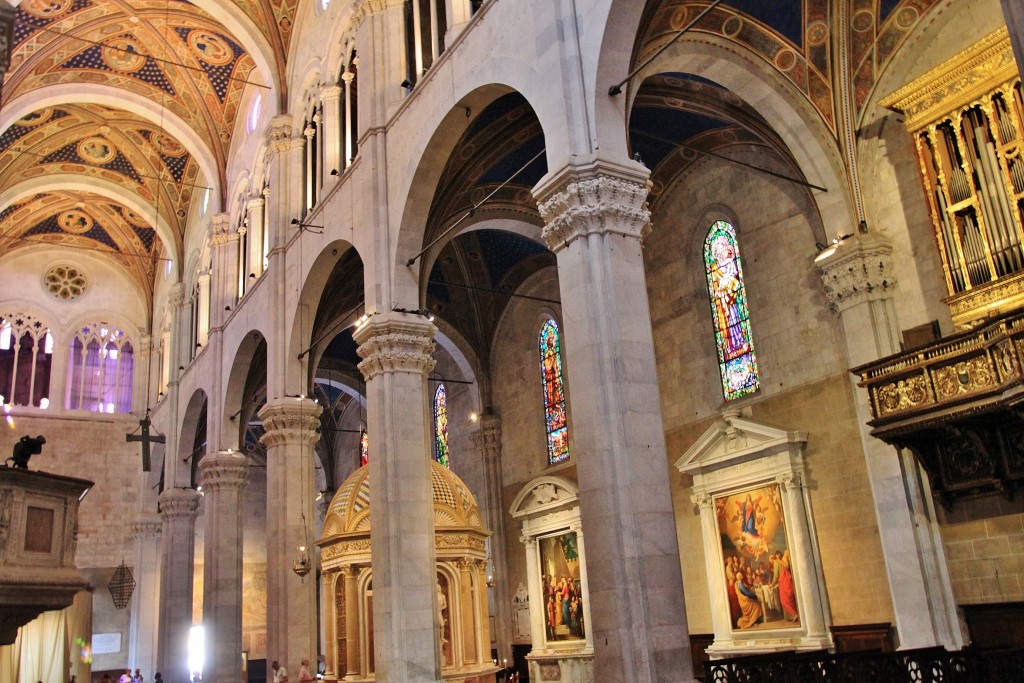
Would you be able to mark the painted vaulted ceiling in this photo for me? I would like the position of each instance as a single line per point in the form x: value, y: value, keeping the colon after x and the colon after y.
x: 119, y: 114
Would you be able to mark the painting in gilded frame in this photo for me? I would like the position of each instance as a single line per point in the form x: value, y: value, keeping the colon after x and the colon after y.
x: 756, y: 559
x: 562, y: 587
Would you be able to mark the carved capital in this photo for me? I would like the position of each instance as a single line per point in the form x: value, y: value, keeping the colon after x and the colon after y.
x: 220, y: 230
x: 290, y: 421
x: 223, y: 471
x: 395, y: 343
x: 331, y: 92
x: 488, y: 436
x: 279, y: 135
x: 857, y: 270
x: 144, y: 349
x: 179, y: 504
x: 176, y: 296
x: 790, y: 480
x: 364, y: 9
x: 596, y: 198
x: 147, y: 527
x: 702, y: 499
x: 255, y: 204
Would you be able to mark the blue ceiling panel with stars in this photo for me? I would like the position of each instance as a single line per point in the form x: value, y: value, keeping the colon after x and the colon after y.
x: 219, y: 73
x: 175, y: 164
x: 26, y: 125
x: 26, y: 24
x: 69, y: 153
x: 149, y: 72
x: 50, y: 226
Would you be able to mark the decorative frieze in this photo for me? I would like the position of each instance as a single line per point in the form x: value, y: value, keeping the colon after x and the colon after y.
x: 395, y: 345
x: 857, y: 270
x: 290, y: 421
x: 598, y: 198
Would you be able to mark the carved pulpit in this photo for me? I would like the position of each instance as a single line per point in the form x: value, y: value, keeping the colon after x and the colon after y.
x: 556, y: 571
x: 38, y: 523
x: 764, y: 570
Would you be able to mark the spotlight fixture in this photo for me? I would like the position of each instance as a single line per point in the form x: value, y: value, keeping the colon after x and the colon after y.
x: 406, y: 84
x: 334, y: 172
x: 315, y: 229
x: 227, y: 308
x: 181, y: 367
x: 252, y: 276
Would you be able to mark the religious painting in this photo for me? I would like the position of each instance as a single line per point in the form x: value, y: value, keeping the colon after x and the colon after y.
x: 554, y: 393
x: 562, y: 587
x: 441, y: 425
x: 727, y: 291
x: 444, y: 621
x: 364, y: 449
x: 756, y: 560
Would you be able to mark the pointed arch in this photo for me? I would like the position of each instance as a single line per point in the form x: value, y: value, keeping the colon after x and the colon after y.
x: 727, y: 293
x: 555, y: 419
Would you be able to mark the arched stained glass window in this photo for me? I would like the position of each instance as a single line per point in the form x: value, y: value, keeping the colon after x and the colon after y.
x: 441, y: 425
x: 554, y: 393
x: 730, y: 315
x: 364, y: 449
x: 101, y: 368
x: 26, y: 354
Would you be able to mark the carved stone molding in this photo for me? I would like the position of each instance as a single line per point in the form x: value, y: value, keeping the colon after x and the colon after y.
x: 255, y: 204
x: 220, y: 229
x: 331, y: 92
x: 702, y: 499
x: 364, y: 9
x: 179, y: 504
x: 176, y: 295
x: 147, y: 527
x: 858, y: 270
x: 144, y: 349
x: 391, y: 345
x: 487, y: 437
x: 279, y: 135
x: 223, y: 471
x: 598, y: 198
x: 290, y: 421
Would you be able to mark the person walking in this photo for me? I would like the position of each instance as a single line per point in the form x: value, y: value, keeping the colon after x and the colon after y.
x: 304, y: 675
x: 280, y: 673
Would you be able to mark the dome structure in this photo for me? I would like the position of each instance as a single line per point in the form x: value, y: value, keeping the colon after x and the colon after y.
x: 461, y: 552
x: 454, y: 505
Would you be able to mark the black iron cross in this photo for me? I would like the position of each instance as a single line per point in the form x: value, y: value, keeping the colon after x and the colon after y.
x: 146, y: 439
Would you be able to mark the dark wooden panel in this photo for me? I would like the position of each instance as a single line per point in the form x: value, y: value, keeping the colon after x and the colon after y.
x: 861, y: 637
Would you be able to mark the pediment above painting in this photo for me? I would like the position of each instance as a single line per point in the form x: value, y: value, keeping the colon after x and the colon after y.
x: 735, y: 439
x: 544, y: 494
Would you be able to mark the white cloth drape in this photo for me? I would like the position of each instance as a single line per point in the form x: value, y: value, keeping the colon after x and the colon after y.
x: 45, y: 648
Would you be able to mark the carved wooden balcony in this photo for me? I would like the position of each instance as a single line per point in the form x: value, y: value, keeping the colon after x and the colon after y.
x: 958, y: 404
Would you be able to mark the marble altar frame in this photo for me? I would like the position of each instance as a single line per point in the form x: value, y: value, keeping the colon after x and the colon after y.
x: 734, y: 456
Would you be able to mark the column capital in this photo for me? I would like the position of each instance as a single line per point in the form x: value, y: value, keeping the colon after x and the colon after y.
x: 367, y: 8
x: 488, y: 433
x: 290, y: 420
x: 179, y: 504
x: 147, y: 526
x: 702, y: 499
x: 279, y: 134
x: 176, y: 295
x: 857, y: 270
x: 255, y: 203
x: 329, y: 92
x: 790, y: 480
x: 144, y: 349
x: 220, y: 229
x: 395, y: 342
x: 223, y: 470
x: 596, y: 197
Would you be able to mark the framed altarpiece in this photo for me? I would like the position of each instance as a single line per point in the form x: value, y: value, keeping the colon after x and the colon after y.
x: 556, y: 571
x: 763, y: 565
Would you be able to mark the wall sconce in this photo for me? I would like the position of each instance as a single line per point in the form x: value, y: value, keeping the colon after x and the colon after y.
x: 227, y: 308
x: 252, y: 276
x: 334, y: 171
x: 406, y: 84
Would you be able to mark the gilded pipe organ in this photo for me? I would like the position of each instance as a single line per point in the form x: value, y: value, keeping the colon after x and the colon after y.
x: 966, y: 119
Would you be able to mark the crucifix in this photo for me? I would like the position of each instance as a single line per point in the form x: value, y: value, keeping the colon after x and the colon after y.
x: 146, y: 438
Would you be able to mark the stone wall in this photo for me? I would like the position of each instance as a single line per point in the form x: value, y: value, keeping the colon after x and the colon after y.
x: 984, y: 541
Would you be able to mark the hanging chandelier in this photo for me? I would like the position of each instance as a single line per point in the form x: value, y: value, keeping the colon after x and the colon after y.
x: 122, y: 585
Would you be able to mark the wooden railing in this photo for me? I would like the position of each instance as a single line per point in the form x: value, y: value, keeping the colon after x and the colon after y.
x: 931, y: 665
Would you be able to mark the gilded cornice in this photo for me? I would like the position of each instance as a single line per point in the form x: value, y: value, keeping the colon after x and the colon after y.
x: 957, y: 82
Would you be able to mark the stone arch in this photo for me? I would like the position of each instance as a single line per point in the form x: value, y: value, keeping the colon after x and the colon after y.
x: 234, y: 387
x: 432, y: 155
x: 194, y: 419
x: 786, y: 111
x: 117, y: 98
x: 104, y: 188
x: 298, y: 338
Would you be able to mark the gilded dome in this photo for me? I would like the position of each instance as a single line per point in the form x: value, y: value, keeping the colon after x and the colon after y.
x: 454, y: 505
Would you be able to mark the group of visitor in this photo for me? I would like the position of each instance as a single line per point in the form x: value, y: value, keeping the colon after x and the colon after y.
x: 129, y: 677
x: 281, y: 674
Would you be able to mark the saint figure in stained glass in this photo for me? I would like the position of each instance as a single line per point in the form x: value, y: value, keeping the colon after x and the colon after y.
x: 364, y: 449
x: 736, y: 360
x: 441, y: 426
x: 554, y: 393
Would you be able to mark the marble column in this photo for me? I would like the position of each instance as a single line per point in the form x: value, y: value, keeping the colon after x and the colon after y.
x: 350, y: 575
x: 256, y: 228
x: 1013, y: 10
x: 223, y: 477
x: 488, y: 444
x: 334, y: 145
x: 537, y: 618
x: 397, y: 349
x: 291, y: 426
x: 224, y: 239
x: 596, y: 216
x: 142, y: 637
x: 178, y: 510
x: 860, y: 283
x: 468, y: 609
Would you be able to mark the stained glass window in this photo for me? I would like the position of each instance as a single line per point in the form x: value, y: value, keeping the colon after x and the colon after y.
x: 554, y: 393
x: 100, y: 370
x: 441, y: 425
x: 728, y: 294
x: 364, y: 449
